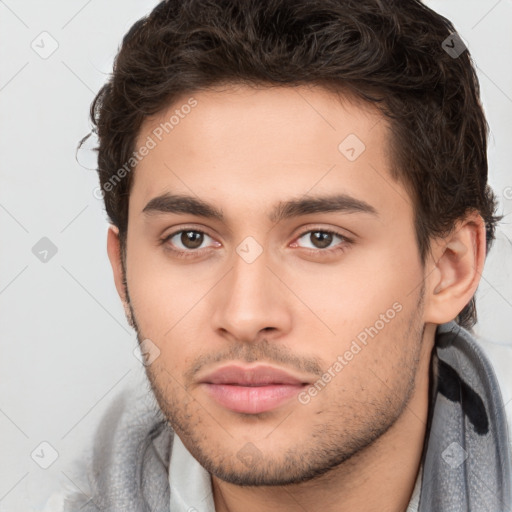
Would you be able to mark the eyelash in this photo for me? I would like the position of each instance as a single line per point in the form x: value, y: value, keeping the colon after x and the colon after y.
x: 341, y: 247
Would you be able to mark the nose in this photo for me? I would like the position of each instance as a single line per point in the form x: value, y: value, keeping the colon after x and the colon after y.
x: 252, y: 301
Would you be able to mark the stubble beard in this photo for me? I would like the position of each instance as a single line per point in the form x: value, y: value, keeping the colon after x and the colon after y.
x: 324, y: 448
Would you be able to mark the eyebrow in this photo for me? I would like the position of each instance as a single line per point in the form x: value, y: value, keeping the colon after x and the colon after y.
x: 183, y: 204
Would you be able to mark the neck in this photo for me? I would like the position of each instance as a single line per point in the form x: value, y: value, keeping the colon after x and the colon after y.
x: 380, y: 478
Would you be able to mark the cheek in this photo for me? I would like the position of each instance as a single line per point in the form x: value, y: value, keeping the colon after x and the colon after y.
x: 171, y: 310
x: 161, y: 291
x: 369, y: 310
x: 367, y: 282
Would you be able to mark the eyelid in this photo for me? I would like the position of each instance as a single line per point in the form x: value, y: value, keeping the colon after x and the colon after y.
x: 170, y: 232
x: 343, y: 233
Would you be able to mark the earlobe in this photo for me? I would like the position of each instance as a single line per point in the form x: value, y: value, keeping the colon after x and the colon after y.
x: 458, y: 262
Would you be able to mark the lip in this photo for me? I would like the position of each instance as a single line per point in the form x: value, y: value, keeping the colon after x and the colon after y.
x: 260, y: 375
x: 251, y: 390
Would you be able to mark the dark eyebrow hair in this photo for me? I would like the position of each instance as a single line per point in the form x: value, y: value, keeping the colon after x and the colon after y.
x: 321, y: 204
x: 171, y: 203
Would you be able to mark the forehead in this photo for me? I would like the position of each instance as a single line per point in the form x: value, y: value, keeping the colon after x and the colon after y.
x: 241, y: 145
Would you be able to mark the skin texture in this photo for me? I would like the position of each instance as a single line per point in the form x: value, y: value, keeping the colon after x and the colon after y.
x: 357, y: 443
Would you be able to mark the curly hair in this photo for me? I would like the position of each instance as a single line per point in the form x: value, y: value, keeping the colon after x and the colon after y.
x: 391, y: 54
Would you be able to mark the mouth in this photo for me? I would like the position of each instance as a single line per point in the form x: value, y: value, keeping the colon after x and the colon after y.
x: 252, y: 390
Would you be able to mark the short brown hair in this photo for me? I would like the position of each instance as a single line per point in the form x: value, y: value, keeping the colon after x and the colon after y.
x: 389, y: 53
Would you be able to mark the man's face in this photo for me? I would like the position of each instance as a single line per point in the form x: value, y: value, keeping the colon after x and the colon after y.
x: 331, y: 297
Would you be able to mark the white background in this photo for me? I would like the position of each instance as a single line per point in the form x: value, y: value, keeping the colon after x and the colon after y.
x: 65, y: 347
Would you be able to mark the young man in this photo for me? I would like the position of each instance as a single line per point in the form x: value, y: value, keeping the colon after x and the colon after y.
x: 300, y: 217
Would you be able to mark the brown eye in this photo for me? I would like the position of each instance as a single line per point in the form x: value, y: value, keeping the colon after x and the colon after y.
x: 191, y: 239
x: 319, y: 239
x: 187, y: 240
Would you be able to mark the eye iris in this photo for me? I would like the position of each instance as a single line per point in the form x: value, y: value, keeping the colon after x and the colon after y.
x: 191, y: 239
x: 321, y: 239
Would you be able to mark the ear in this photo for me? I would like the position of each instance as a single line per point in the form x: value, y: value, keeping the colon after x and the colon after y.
x: 456, y: 264
x: 114, y: 255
